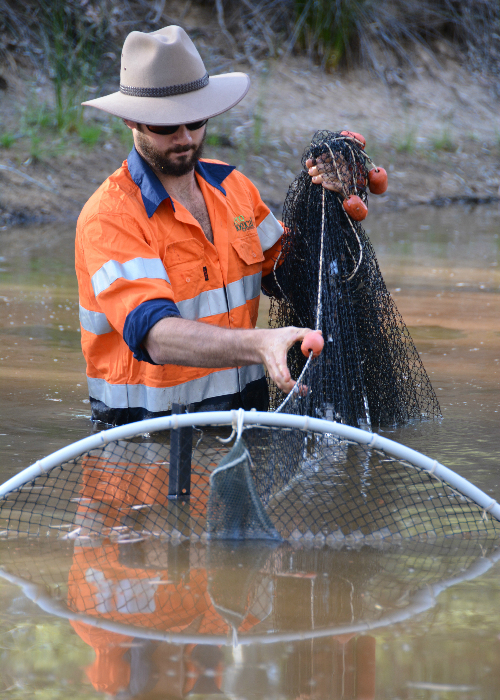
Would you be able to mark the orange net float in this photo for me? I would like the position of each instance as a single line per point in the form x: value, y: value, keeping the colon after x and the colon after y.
x: 355, y: 207
x: 313, y: 342
x: 377, y: 180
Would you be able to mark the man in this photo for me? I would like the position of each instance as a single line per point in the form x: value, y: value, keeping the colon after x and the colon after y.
x: 171, y: 251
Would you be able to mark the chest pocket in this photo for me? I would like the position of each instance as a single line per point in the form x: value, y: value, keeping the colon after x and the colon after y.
x: 249, y: 249
x: 184, y: 261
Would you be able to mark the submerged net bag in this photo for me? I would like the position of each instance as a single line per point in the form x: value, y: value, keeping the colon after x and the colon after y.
x: 286, y: 478
x: 327, y: 278
x: 234, y: 509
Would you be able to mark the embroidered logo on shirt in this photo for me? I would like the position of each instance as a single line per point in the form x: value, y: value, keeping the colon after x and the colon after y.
x: 242, y: 224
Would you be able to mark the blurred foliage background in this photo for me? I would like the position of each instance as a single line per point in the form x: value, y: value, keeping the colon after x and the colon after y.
x: 78, y: 41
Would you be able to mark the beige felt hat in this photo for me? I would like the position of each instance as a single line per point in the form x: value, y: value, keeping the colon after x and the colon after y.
x: 164, y: 81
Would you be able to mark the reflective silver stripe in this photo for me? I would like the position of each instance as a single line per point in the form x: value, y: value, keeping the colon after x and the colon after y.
x: 138, y: 268
x: 223, y: 383
x: 214, y: 301
x: 205, y: 304
x: 270, y: 230
x: 94, y: 322
x: 238, y: 293
x: 250, y: 374
x: 252, y: 285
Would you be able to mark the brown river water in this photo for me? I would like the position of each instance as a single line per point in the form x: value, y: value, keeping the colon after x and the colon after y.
x: 395, y: 623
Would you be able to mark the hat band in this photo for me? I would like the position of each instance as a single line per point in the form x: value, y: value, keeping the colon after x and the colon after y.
x: 165, y: 91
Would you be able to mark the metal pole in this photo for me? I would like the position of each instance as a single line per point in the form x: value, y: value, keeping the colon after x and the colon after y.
x: 181, y: 449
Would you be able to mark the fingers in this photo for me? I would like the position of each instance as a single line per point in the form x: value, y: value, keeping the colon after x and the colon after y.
x: 280, y: 374
x: 275, y: 354
x: 315, y: 174
x: 278, y: 367
x: 321, y: 175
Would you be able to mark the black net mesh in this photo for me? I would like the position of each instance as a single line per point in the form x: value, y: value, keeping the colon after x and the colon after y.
x: 328, y: 279
x: 289, y: 484
x: 235, y: 510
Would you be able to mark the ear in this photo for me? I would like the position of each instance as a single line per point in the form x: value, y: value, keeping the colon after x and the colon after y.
x: 131, y: 125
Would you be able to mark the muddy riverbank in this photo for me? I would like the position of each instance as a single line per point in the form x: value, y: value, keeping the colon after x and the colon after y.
x: 437, y: 133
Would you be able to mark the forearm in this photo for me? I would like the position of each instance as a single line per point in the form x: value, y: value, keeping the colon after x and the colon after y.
x: 178, y: 341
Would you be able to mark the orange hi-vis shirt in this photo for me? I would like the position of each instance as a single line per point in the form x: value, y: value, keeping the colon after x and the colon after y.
x: 106, y: 585
x: 141, y: 256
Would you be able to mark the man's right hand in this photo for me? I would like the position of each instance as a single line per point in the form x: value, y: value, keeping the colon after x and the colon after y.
x: 274, y: 345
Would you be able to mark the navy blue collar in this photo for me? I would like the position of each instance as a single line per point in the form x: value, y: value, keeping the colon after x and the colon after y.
x: 152, y: 191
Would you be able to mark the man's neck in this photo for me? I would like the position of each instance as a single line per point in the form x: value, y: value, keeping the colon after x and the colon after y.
x: 183, y: 187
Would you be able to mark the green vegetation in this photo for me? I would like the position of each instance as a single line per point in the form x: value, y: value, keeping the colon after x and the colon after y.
x: 444, y: 141
x: 76, y: 45
x: 67, y: 40
x: 90, y: 133
x: 7, y: 139
x: 367, y: 32
x: 328, y: 30
x: 80, y: 41
x: 73, y: 43
x: 45, y: 135
x: 406, y: 140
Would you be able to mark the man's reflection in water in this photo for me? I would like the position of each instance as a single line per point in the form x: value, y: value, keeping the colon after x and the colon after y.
x: 167, y: 587
x: 187, y: 588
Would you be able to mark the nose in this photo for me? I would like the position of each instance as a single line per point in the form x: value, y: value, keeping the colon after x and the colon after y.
x: 182, y: 136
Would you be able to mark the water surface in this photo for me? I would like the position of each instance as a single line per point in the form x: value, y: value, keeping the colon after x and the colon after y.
x: 392, y: 623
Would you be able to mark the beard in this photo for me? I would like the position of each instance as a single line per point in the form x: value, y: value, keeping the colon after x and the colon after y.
x: 162, y: 162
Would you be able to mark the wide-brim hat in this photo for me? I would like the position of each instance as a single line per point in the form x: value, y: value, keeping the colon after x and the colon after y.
x: 163, y: 81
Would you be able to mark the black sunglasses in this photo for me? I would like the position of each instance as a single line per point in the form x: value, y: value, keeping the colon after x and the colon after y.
x: 171, y: 129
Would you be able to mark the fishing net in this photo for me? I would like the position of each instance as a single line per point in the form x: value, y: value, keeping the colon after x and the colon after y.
x: 327, y: 278
x: 285, y: 478
x: 234, y: 509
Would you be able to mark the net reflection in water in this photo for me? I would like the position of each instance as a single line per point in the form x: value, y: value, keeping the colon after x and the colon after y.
x: 217, y: 593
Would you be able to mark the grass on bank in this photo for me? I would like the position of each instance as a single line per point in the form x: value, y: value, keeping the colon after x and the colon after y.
x: 405, y: 141
x: 41, y: 135
x: 244, y: 142
x: 77, y: 45
x: 444, y: 141
x: 7, y: 139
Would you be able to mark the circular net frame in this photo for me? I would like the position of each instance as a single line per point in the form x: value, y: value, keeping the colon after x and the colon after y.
x: 274, y: 484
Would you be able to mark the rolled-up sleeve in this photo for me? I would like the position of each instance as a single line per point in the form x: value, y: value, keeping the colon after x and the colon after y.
x: 140, y: 321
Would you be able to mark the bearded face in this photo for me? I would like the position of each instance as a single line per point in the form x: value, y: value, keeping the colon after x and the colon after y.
x: 169, y: 161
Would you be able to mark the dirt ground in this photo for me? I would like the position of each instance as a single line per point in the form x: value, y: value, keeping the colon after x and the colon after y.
x: 437, y: 134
